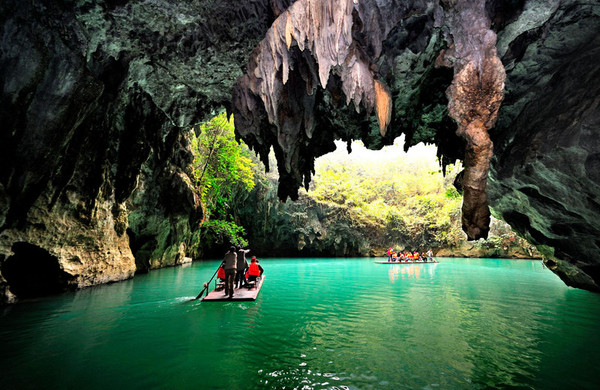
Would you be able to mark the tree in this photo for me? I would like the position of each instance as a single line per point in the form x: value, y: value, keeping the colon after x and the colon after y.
x: 221, y: 168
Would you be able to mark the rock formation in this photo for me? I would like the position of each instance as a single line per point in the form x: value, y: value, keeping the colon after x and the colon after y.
x: 96, y: 97
x: 296, y: 94
x: 315, y: 41
x: 544, y: 174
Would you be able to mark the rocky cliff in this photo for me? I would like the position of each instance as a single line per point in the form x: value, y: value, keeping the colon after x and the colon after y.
x: 94, y: 162
x: 95, y: 95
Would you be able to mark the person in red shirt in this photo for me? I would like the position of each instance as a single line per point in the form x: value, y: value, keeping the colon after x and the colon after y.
x: 254, y: 270
x: 220, y: 284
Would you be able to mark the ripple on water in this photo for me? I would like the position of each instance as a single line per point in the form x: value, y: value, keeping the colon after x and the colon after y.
x: 317, y: 323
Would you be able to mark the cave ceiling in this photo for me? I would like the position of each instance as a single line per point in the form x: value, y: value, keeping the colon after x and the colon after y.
x: 508, y: 87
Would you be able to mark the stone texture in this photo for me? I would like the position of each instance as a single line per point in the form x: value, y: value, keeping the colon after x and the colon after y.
x: 317, y: 57
x: 474, y: 99
x: 96, y: 98
x: 544, y: 178
x: 306, y: 228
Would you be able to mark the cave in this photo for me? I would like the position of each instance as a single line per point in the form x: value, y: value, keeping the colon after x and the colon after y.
x: 96, y: 101
x: 33, y: 272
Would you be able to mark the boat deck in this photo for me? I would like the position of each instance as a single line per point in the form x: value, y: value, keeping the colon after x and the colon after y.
x: 239, y: 294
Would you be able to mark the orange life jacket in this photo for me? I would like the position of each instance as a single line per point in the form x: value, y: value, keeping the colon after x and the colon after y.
x: 221, y: 273
x: 253, y: 269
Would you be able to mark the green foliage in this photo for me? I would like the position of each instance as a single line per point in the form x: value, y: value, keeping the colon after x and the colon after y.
x: 220, y: 164
x: 222, y: 232
x: 222, y: 168
x: 405, y: 194
x: 451, y: 193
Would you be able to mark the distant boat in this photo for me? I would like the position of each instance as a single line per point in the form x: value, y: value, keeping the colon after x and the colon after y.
x: 239, y: 294
x: 406, y: 262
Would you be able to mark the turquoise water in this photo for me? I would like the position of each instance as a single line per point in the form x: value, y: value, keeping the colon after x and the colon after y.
x: 317, y: 323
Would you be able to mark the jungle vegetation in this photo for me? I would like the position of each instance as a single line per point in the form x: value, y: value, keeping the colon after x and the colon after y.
x: 358, y: 204
x: 221, y: 168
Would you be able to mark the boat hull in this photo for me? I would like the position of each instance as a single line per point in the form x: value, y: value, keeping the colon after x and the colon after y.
x: 406, y: 262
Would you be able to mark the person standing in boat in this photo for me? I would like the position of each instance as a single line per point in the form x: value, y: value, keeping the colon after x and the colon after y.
x: 242, y: 265
x: 230, y: 266
x: 430, y: 255
x: 254, y: 270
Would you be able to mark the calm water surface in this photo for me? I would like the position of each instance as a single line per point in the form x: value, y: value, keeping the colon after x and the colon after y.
x: 317, y: 323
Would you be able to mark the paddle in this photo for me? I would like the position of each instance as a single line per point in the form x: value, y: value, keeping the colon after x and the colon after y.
x: 208, y: 284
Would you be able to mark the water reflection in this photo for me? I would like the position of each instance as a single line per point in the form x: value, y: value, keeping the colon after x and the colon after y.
x: 410, y: 271
x: 319, y: 323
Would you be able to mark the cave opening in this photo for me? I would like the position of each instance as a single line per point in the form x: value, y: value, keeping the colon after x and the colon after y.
x: 389, y: 197
x: 33, y: 272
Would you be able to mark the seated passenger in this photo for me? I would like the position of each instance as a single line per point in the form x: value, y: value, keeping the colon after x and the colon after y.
x: 221, y: 278
x: 254, y: 270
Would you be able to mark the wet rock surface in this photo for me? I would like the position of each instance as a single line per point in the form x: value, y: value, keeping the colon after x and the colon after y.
x: 96, y: 97
x: 544, y: 179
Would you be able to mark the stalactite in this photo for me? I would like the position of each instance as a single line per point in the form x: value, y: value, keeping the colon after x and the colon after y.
x: 314, y: 41
x: 383, y: 105
x: 474, y: 98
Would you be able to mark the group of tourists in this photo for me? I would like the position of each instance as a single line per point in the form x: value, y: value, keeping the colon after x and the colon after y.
x: 236, y: 272
x: 409, y: 256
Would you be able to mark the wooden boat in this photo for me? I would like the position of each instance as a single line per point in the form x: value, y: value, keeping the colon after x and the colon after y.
x: 406, y: 262
x: 239, y: 294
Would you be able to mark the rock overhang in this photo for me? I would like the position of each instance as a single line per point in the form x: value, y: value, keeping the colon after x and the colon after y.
x: 298, y: 98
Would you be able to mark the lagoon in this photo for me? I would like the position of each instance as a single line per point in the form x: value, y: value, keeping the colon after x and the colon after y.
x: 316, y: 324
